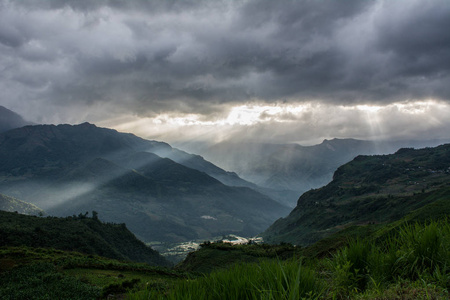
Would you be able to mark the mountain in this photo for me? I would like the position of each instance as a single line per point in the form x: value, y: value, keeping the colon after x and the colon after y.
x: 77, y: 233
x: 15, y: 205
x: 69, y: 169
x: 10, y: 120
x: 285, y: 171
x: 367, y: 190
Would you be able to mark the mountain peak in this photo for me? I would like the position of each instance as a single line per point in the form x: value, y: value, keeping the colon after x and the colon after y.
x: 10, y: 120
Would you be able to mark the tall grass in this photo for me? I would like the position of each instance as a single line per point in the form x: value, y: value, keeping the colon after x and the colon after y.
x: 413, y: 263
x: 417, y: 251
x: 423, y: 249
x: 270, y: 279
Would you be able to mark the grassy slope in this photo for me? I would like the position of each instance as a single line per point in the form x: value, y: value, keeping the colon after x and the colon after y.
x: 411, y: 263
x: 43, y: 273
x: 85, y: 235
x: 370, y: 189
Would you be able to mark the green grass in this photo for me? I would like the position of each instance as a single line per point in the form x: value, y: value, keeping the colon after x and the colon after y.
x: 43, y: 281
x: 269, y: 279
x: 213, y: 256
x: 43, y: 273
x: 412, y: 262
x: 409, y: 261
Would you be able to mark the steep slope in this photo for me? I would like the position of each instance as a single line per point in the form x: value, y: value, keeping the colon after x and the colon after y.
x: 70, y: 169
x: 369, y: 189
x: 10, y: 120
x: 82, y: 234
x: 15, y: 205
x: 67, y: 144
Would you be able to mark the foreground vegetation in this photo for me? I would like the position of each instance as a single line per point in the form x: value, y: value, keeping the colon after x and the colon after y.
x: 414, y: 263
x: 42, y: 273
x: 409, y: 261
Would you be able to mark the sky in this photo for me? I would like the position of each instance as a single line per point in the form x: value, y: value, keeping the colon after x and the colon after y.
x: 208, y: 71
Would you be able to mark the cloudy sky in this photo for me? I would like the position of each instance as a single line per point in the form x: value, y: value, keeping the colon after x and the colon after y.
x: 207, y: 70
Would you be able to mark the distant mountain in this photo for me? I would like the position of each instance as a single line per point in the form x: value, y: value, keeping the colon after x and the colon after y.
x: 78, y: 233
x: 369, y: 189
x: 288, y: 170
x: 10, y: 120
x: 71, y: 169
x: 15, y: 205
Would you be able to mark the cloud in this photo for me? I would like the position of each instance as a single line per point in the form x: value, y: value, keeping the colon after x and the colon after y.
x: 306, y: 123
x: 72, y: 61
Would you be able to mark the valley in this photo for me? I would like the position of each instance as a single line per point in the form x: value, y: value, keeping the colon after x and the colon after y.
x: 68, y: 169
x: 97, y: 213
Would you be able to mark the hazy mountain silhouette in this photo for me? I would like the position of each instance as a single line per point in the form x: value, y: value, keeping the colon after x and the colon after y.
x: 71, y: 169
x: 10, y: 120
x: 288, y: 170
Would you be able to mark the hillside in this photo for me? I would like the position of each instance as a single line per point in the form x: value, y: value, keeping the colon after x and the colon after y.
x: 15, y: 205
x: 71, y: 169
x: 76, y: 233
x: 10, y: 120
x: 369, y: 189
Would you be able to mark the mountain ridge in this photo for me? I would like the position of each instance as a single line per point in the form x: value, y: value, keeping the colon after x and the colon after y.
x: 369, y: 189
x: 10, y: 120
x: 285, y: 171
x: 66, y: 169
x: 76, y: 233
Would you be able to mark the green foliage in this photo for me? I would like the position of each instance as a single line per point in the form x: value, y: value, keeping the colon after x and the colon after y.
x: 423, y: 249
x: 82, y: 234
x: 415, y: 252
x: 212, y: 256
x: 105, y: 276
x: 410, y: 262
x: 269, y: 279
x: 43, y: 281
x: 119, y: 288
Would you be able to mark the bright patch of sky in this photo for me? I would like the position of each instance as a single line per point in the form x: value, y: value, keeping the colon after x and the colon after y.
x: 295, y: 123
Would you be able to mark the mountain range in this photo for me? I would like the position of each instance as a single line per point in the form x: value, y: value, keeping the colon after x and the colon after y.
x: 69, y: 169
x: 285, y: 171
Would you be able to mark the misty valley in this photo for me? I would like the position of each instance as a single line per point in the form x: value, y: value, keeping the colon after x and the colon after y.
x: 224, y: 150
x: 92, y: 213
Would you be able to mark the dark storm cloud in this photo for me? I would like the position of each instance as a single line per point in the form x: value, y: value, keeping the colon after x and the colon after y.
x: 194, y: 56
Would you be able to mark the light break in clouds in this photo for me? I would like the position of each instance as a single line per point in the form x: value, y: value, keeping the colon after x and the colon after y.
x: 283, y: 71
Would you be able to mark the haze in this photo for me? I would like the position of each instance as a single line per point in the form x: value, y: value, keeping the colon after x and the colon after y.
x: 208, y: 71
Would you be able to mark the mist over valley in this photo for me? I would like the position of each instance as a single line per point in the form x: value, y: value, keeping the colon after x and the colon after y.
x: 254, y: 149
